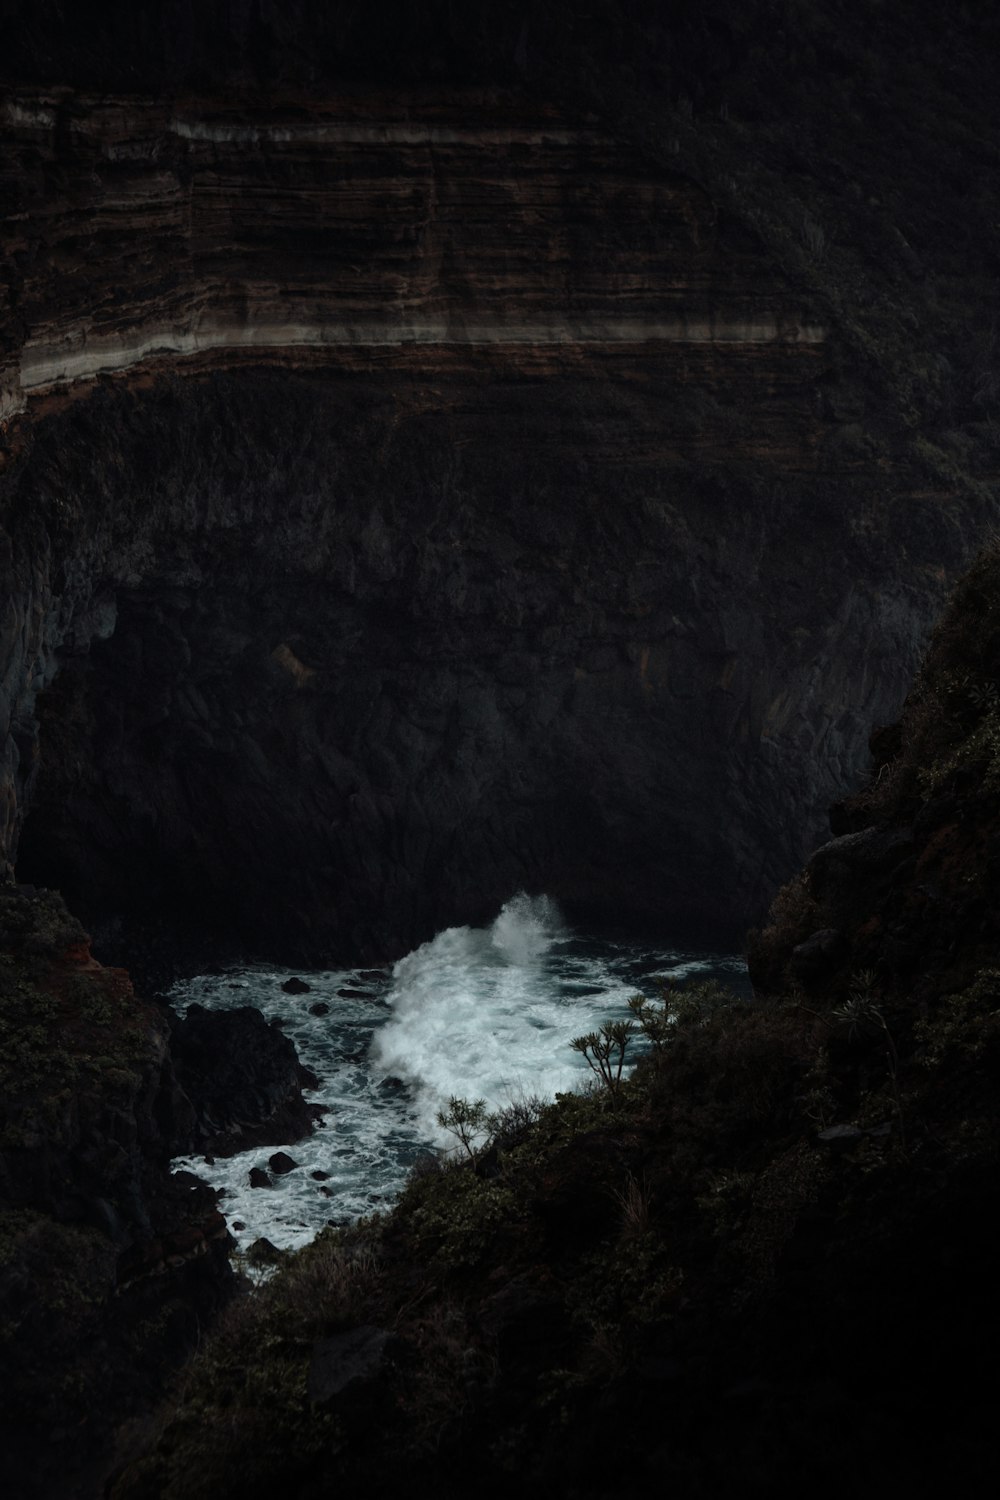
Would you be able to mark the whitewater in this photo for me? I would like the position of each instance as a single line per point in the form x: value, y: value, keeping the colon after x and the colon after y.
x: 478, y: 1013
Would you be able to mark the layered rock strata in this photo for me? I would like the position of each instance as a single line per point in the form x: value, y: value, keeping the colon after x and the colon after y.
x: 137, y: 233
x: 550, y: 548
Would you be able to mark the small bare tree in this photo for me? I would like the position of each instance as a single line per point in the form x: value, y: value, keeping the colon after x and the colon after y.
x: 605, y: 1050
x: 468, y: 1120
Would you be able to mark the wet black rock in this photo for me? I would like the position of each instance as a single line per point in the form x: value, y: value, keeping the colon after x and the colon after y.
x: 281, y: 1163
x: 259, y: 1178
x: 295, y: 986
x: 243, y: 1078
x: 319, y: 1009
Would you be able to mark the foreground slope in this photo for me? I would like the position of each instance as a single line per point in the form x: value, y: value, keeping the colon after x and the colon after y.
x: 765, y: 1259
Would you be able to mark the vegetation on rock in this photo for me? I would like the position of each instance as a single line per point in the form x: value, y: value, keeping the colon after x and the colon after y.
x: 109, y: 1266
x: 761, y: 1231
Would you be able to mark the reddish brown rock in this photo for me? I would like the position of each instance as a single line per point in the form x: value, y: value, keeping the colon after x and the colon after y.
x: 183, y: 193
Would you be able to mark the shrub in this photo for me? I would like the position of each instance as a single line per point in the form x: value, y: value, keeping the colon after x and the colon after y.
x: 453, y: 1219
x: 510, y: 1126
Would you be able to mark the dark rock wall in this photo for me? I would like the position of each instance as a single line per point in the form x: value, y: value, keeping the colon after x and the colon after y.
x: 562, y: 542
x: 329, y: 668
x: 110, y: 1265
x: 902, y: 892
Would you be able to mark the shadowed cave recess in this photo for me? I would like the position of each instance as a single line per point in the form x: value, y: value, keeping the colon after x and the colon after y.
x: 334, y: 671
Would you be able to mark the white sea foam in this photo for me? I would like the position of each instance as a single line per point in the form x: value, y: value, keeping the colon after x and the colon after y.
x: 475, y: 1013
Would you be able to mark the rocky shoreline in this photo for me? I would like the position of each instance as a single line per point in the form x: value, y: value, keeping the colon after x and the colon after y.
x: 732, y: 1267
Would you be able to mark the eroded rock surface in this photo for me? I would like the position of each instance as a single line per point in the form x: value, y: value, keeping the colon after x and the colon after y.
x: 901, y: 901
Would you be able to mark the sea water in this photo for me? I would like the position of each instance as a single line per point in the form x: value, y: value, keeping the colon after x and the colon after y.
x: 476, y: 1013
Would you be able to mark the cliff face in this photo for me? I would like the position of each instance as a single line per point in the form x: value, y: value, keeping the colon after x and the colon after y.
x: 515, y: 523
x: 408, y: 494
x: 139, y: 232
x: 902, y: 892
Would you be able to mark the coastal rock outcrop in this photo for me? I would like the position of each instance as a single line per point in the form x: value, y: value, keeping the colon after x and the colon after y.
x: 243, y: 1079
x: 108, y: 1265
